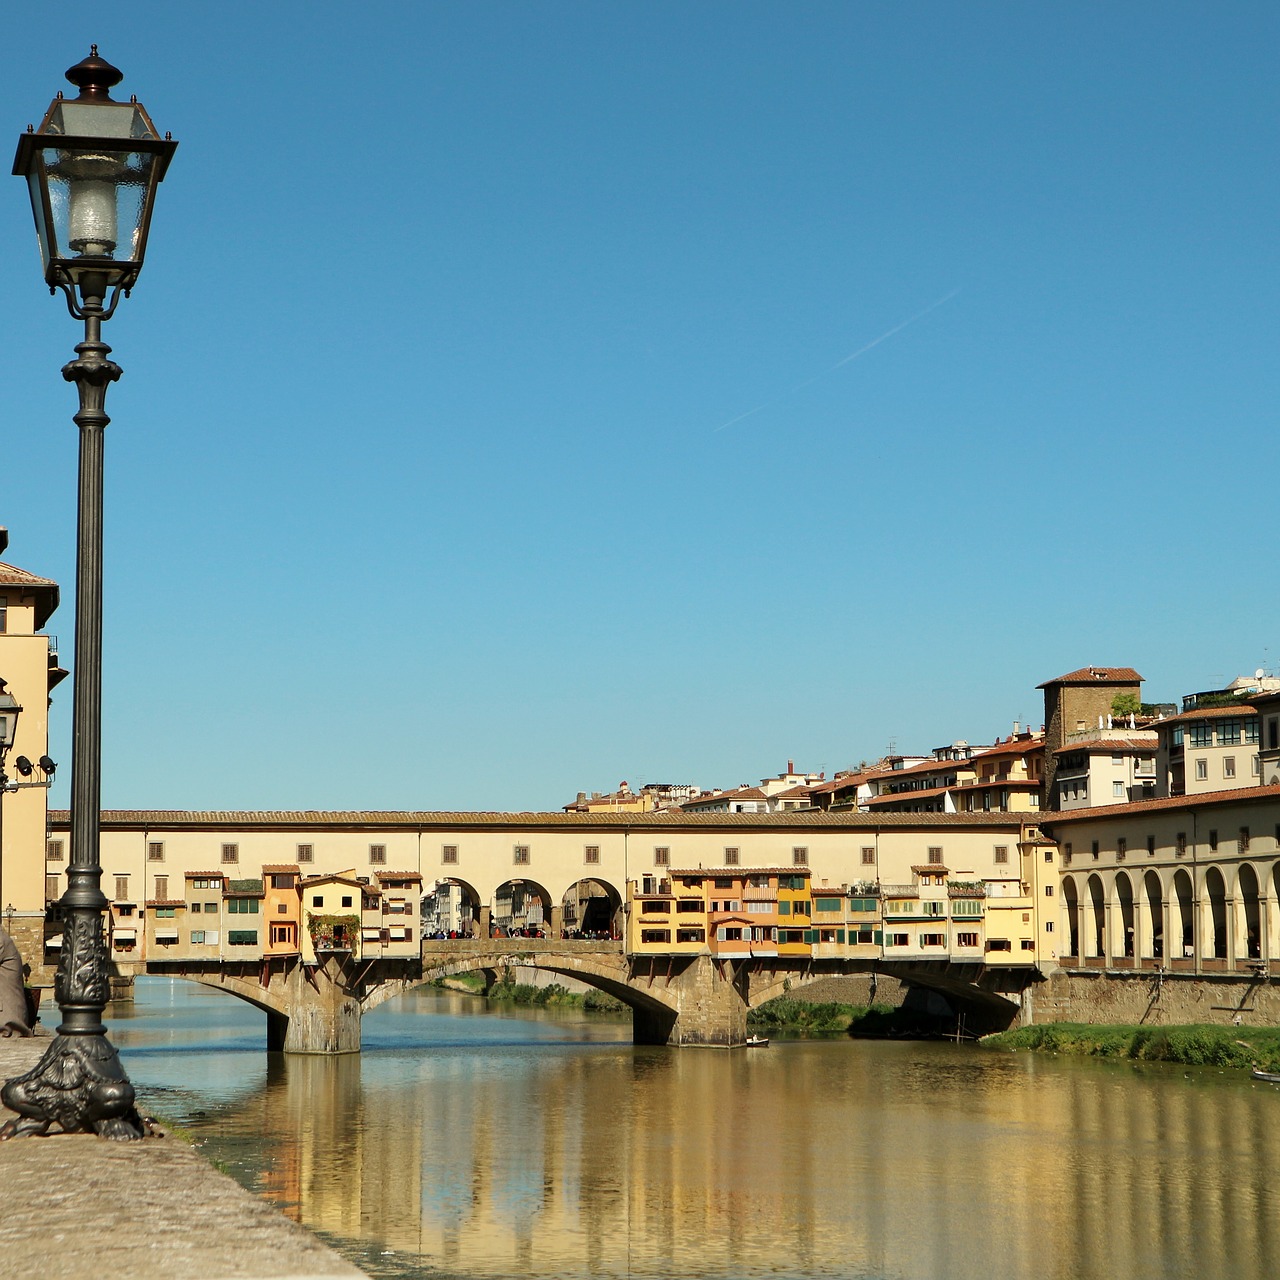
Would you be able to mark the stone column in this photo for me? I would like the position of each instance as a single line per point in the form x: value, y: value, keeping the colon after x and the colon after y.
x: 321, y: 1016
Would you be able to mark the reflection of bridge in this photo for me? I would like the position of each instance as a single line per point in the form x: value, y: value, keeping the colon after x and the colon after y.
x: 676, y: 1000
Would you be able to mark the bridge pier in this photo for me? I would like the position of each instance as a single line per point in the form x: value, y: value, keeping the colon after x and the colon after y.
x: 706, y: 1005
x: 320, y: 1015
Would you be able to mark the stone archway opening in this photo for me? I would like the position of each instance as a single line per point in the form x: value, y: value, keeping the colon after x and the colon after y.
x: 1216, y: 889
x: 1071, y: 905
x: 450, y: 909
x: 591, y: 910
x: 1251, y: 901
x: 521, y: 909
x: 1154, y: 891
x: 1128, y: 919
x: 1184, y: 929
x: 1096, y: 935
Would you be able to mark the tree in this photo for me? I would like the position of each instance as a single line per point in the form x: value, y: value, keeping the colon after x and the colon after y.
x: 1126, y: 704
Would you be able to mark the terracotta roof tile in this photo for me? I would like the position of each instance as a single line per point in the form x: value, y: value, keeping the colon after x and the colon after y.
x: 45, y: 590
x: 1096, y: 675
x: 1165, y: 803
x: 1108, y: 744
x: 1209, y: 713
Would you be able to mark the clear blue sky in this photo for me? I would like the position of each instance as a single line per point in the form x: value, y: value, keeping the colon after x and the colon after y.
x: 429, y: 483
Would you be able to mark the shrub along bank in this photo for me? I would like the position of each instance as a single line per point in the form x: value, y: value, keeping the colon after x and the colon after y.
x: 1200, y: 1046
x: 801, y: 1017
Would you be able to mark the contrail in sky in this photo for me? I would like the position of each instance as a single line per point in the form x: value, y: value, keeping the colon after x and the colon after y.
x: 861, y: 351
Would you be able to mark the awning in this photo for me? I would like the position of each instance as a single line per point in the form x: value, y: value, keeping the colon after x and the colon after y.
x: 371, y: 935
x: 125, y: 935
x: 166, y: 935
x: 396, y: 935
x: 55, y: 941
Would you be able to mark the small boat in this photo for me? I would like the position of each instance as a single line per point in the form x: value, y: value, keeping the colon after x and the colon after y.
x: 1271, y: 1077
x: 762, y: 1042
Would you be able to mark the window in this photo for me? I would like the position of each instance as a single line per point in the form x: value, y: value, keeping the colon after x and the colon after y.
x: 899, y: 939
x: 377, y: 855
x: 242, y: 906
x: 1273, y: 733
x: 999, y: 944
x: 1048, y: 891
x: 935, y: 853
x: 1095, y: 850
x: 211, y: 908
x: 197, y: 937
x: 1002, y: 853
x: 166, y: 913
x: 1251, y: 731
x: 195, y: 908
x: 155, y: 850
x: 1117, y: 790
x: 591, y: 854
x: 966, y: 939
x: 231, y: 853
x: 4, y: 614
x: 162, y: 886
x: 52, y: 888
x: 655, y: 935
x: 868, y: 856
x: 449, y: 854
x: 1181, y: 842
x: 242, y: 937
x: 1242, y: 841
x: 1200, y: 735
x: 1122, y: 848
x: 1048, y: 855
x: 1028, y: 944
x: 346, y: 900
x: 520, y: 855
x: 1228, y: 766
x: 662, y: 857
x: 1228, y: 733
x: 1151, y: 846
x: 1213, y: 841
x: 1202, y: 769
x: 317, y: 901
x: 122, y: 888
x: 1048, y: 926
x: 54, y: 851
x: 306, y: 853
x: 731, y: 857
x: 1256, y: 766
x: 799, y: 857
x: 933, y: 939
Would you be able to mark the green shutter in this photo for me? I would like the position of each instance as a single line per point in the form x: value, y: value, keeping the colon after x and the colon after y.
x: 878, y: 937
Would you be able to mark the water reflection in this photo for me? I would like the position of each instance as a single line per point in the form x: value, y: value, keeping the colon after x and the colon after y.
x: 470, y: 1144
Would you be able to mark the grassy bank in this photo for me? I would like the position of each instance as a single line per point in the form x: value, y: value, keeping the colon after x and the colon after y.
x: 554, y: 994
x: 800, y: 1017
x: 1200, y: 1046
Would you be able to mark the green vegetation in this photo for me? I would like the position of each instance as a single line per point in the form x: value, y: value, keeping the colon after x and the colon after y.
x: 554, y: 994
x: 1126, y: 704
x: 1201, y: 1046
x: 832, y: 1018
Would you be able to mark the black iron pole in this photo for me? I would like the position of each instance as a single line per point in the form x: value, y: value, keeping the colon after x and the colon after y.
x: 80, y: 1084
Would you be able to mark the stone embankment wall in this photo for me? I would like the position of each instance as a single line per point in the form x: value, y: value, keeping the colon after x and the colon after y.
x: 853, y: 988
x: 1171, y: 1000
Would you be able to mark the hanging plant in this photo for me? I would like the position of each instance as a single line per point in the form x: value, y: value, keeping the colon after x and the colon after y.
x: 333, y: 933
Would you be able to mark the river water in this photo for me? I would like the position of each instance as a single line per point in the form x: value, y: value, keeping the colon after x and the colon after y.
x: 465, y: 1142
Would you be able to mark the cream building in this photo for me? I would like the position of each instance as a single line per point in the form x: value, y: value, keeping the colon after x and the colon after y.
x: 29, y: 669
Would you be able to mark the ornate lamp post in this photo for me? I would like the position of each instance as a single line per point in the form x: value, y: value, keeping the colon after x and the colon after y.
x: 92, y: 168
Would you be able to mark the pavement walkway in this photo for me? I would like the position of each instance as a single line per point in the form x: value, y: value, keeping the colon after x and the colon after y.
x: 75, y: 1206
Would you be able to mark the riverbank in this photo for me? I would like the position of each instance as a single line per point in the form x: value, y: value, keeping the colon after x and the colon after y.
x: 1193, y: 1045
x: 76, y: 1205
x: 788, y: 1016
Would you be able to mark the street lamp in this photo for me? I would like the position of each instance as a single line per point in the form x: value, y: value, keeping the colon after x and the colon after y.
x: 9, y: 712
x: 92, y: 169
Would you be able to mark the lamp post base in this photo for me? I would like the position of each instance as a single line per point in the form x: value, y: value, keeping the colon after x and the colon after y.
x: 80, y: 1086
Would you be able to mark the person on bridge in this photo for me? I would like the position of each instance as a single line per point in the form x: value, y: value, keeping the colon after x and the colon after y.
x: 13, y: 998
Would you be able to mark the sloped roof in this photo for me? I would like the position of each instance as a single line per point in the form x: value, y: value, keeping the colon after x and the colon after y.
x: 1095, y: 813
x: 1096, y: 675
x: 45, y: 590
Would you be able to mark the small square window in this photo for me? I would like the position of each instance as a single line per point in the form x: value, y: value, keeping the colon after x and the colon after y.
x: 1048, y: 855
x: 306, y: 853
x: 317, y: 901
x: 799, y: 857
x: 54, y: 850
x: 377, y: 855
x: 731, y: 857
x: 1202, y: 769
x: 935, y: 853
x: 662, y: 857
x: 1048, y: 891
x: 346, y: 899
x: 231, y: 853
x: 1001, y: 853
x: 1228, y: 766
x: 521, y: 855
x: 868, y: 855
x: 449, y: 855
x: 1117, y: 790
x: 591, y: 855
x: 155, y: 850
